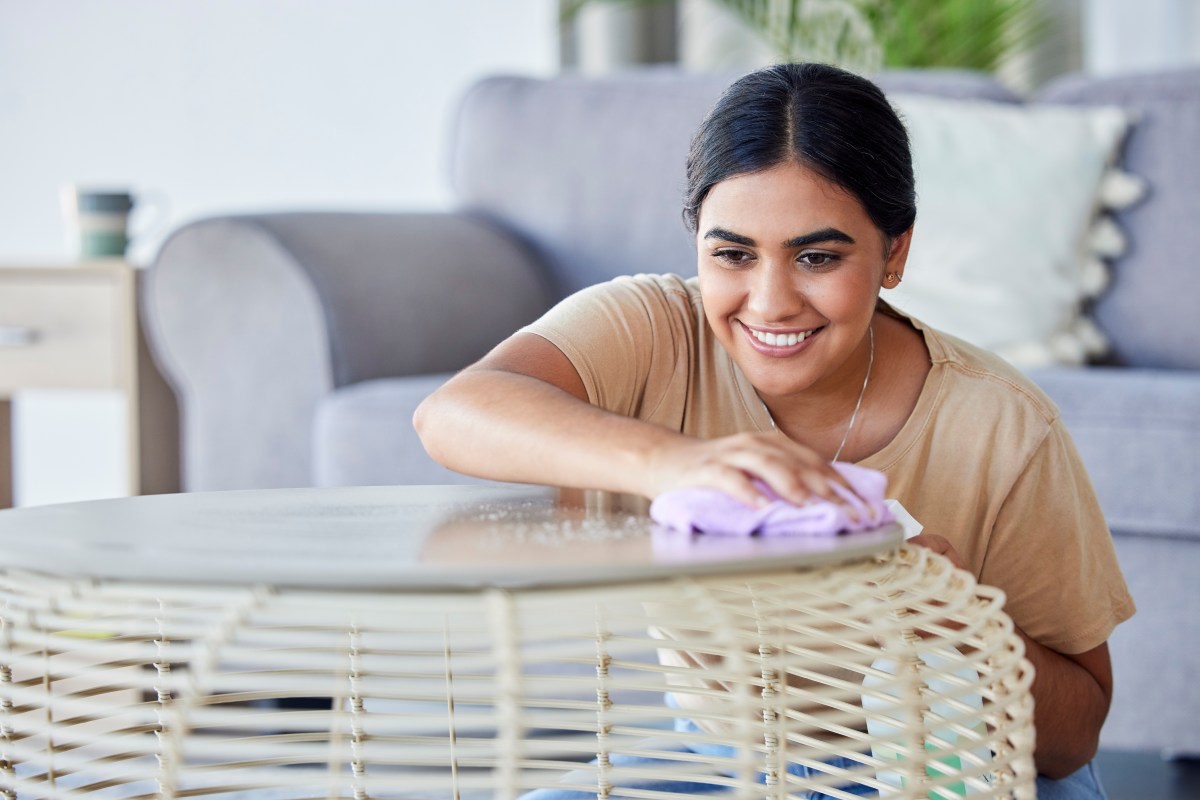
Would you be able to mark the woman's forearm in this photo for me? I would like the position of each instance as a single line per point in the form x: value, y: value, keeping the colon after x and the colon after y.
x: 522, y: 415
x: 506, y: 426
x: 1070, y: 705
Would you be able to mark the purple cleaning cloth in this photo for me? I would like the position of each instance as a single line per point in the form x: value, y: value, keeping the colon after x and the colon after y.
x: 712, y: 511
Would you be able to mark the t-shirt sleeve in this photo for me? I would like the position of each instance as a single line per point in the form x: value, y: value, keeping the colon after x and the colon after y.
x: 1052, y: 553
x: 625, y: 338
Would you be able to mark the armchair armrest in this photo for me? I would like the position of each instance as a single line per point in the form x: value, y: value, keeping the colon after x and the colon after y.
x: 254, y: 319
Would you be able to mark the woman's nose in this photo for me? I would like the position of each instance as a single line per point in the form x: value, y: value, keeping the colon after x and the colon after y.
x: 775, y: 293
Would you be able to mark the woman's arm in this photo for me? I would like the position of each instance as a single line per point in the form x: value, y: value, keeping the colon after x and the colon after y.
x: 1071, y: 696
x: 521, y: 414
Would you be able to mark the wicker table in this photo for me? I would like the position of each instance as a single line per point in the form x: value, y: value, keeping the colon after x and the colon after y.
x: 429, y: 642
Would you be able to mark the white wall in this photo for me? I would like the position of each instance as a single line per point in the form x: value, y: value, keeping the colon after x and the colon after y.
x: 224, y: 106
x: 1128, y: 36
x: 242, y: 104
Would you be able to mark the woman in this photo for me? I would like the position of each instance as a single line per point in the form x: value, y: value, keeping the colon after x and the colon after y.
x: 780, y: 357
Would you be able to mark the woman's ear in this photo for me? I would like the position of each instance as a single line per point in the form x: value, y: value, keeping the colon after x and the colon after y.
x: 896, y: 259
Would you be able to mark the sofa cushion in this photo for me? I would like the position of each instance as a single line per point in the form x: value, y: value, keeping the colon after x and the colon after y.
x: 951, y: 84
x: 363, y: 436
x: 977, y: 165
x: 1138, y: 432
x: 589, y: 170
x: 1148, y: 311
x: 1153, y: 655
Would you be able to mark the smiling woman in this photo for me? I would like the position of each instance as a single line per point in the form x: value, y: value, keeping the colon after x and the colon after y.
x: 781, y: 357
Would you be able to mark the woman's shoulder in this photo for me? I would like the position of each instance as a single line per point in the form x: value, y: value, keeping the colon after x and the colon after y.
x: 668, y: 285
x: 982, y: 378
x: 657, y: 296
x: 646, y: 307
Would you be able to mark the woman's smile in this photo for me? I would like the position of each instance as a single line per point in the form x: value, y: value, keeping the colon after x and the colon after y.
x: 779, y: 343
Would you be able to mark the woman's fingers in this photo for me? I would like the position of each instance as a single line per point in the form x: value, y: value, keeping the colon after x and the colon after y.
x: 795, y: 472
x: 739, y: 465
x: 738, y: 485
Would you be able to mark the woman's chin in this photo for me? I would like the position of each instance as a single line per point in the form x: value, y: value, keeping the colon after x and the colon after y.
x: 773, y: 385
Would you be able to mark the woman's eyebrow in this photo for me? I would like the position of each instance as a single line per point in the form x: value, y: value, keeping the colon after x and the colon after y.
x: 729, y: 236
x: 823, y: 235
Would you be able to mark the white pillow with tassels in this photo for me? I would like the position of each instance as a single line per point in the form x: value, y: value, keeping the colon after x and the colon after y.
x: 1012, y: 229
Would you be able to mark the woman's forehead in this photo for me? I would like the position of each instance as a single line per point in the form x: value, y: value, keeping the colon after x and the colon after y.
x: 787, y: 194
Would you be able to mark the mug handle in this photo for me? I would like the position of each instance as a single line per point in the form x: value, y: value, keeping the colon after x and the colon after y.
x: 151, y: 212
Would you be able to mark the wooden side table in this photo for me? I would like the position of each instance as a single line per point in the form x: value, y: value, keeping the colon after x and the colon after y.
x: 70, y: 327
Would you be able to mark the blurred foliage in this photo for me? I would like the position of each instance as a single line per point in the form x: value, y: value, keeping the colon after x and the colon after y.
x: 830, y: 31
x: 965, y: 34
x: 862, y: 35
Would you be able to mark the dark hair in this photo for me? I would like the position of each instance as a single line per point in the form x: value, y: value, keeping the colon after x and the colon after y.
x: 832, y: 121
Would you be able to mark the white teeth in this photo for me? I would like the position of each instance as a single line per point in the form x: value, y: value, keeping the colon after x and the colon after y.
x: 780, y: 340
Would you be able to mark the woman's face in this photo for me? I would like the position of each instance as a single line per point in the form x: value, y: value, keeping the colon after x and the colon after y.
x: 790, y: 268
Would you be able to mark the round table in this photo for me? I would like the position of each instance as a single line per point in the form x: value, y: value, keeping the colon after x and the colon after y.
x: 435, y: 641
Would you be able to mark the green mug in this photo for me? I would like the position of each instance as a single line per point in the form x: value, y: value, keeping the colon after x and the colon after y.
x: 98, y: 220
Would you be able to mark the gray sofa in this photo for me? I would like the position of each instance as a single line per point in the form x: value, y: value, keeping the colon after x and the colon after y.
x: 299, y: 345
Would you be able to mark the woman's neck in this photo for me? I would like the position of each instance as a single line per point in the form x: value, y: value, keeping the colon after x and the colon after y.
x: 825, y: 419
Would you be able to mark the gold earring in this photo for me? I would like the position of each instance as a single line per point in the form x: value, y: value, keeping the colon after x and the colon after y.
x: 892, y: 277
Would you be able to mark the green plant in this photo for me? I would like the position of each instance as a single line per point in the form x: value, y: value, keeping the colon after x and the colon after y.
x: 865, y: 34
x: 967, y: 34
x: 831, y: 31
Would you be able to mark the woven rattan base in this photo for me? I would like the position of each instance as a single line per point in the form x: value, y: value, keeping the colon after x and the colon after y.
x: 891, y: 673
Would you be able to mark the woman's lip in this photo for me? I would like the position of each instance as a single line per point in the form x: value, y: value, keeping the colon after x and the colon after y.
x: 780, y: 351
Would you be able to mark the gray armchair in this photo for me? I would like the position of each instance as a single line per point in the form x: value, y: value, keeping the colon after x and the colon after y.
x: 261, y: 320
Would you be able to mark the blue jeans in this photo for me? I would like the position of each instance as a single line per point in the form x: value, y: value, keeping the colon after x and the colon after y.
x: 683, y: 787
x: 1081, y: 785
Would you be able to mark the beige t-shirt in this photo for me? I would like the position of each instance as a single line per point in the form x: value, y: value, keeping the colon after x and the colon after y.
x: 984, y: 460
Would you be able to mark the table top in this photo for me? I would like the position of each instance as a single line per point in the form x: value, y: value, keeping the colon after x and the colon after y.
x: 396, y: 537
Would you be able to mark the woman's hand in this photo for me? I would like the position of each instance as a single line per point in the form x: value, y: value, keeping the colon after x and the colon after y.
x: 732, y: 464
x: 940, y: 545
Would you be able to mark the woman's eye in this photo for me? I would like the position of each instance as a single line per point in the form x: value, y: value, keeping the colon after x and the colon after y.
x: 734, y: 258
x: 817, y: 260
